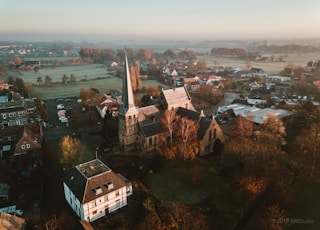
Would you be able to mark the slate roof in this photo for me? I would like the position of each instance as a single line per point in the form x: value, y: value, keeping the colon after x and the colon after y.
x: 85, y: 178
x: 203, y: 122
x: 190, y: 114
x: 151, y: 129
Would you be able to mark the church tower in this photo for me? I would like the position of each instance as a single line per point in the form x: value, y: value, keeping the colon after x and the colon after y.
x: 128, y: 114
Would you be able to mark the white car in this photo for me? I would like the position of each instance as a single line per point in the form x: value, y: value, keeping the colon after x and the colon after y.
x: 18, y: 212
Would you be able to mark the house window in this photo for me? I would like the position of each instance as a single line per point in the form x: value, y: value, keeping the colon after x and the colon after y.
x: 210, y: 135
x: 28, y: 146
x: 23, y: 146
x: 117, y: 193
x: 14, y: 114
x: 150, y: 141
x: 4, y: 116
x: 94, y: 212
x: 93, y: 203
x: 214, y: 133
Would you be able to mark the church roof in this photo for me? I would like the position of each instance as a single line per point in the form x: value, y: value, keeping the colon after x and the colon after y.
x: 148, y: 111
x: 177, y: 97
x: 151, y: 129
x: 195, y: 116
x: 128, y: 106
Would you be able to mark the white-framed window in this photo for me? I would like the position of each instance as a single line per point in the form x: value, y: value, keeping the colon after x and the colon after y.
x: 23, y: 146
x: 4, y: 116
x: 28, y: 146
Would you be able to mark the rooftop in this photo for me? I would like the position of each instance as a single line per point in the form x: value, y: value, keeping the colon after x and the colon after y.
x: 92, y: 168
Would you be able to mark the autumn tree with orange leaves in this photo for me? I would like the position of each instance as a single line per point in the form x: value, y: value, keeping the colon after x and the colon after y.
x: 71, y: 152
x: 180, y: 141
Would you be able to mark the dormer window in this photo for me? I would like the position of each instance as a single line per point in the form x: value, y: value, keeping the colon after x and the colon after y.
x: 109, y: 185
x: 23, y: 146
x: 97, y: 190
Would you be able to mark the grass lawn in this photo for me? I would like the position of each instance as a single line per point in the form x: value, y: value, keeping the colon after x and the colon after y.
x: 186, y: 184
x: 73, y: 89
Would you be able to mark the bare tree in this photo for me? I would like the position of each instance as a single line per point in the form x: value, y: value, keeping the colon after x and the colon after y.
x: 167, y: 120
x: 309, y: 144
x: 64, y: 79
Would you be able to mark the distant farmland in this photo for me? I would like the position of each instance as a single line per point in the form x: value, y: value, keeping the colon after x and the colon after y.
x: 97, y: 75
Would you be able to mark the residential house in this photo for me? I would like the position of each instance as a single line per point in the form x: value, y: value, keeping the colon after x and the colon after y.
x: 191, y: 84
x: 29, y: 140
x: 8, y: 140
x: 21, y: 140
x: 93, y: 190
x: 106, y: 104
x: 12, y: 113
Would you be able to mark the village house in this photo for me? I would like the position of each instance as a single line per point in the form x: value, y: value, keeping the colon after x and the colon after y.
x: 191, y: 84
x: 14, y: 109
x: 106, y: 104
x: 93, y: 190
x: 21, y: 140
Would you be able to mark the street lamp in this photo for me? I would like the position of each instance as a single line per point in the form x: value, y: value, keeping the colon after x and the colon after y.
x: 97, y: 152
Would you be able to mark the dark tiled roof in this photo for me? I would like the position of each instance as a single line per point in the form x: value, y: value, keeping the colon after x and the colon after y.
x: 204, y: 124
x: 76, y: 182
x: 189, y: 114
x: 151, y: 129
x: 12, y: 109
x: 84, y: 185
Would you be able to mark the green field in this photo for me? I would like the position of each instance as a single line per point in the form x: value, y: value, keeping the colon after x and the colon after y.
x: 97, y: 75
x: 73, y: 89
x: 268, y: 67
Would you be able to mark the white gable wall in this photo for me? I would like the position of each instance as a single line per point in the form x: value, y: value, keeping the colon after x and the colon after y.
x: 100, y: 206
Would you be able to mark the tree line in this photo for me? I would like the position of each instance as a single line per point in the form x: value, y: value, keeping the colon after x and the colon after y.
x: 143, y: 55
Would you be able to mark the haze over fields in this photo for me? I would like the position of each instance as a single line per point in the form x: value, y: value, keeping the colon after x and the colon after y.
x: 157, y: 20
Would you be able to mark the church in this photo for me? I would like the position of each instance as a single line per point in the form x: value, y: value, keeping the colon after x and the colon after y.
x: 140, y: 128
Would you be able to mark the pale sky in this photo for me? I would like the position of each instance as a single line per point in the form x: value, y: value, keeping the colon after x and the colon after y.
x: 167, y: 19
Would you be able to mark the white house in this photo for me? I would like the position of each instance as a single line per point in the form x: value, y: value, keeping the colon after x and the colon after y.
x: 92, y: 190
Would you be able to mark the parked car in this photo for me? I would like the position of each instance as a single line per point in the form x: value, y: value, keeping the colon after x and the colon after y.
x: 75, y: 134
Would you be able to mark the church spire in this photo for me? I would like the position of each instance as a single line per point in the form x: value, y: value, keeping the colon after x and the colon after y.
x: 127, y: 92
